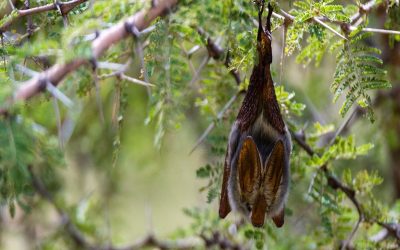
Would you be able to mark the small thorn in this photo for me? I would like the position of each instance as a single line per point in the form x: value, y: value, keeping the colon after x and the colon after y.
x: 56, y: 93
x: 137, y: 81
x: 212, y: 124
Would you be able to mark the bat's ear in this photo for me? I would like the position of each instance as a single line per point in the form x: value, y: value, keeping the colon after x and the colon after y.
x: 277, y: 151
x: 271, y: 182
x: 273, y: 172
x: 249, y: 169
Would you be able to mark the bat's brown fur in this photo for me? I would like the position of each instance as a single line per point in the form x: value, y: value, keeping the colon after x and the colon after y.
x: 258, y: 123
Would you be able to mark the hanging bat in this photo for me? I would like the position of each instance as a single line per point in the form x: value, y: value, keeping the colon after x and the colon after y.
x: 256, y: 171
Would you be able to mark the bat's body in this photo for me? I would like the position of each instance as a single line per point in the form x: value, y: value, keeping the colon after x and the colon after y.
x: 256, y: 171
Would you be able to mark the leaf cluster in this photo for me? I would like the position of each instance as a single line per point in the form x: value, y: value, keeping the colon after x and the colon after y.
x: 357, y: 72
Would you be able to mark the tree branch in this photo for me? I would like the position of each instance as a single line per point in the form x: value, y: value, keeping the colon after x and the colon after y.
x: 217, y: 53
x: 151, y: 241
x: 118, y: 32
x: 70, y: 228
x: 65, y: 7
x: 80, y: 240
x: 346, y: 27
x: 392, y: 228
x: 105, y: 40
x: 335, y: 183
x: 362, y: 10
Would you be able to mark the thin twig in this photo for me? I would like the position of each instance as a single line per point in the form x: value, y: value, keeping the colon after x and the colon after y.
x: 382, y: 31
x: 216, y: 52
x: 136, y: 81
x: 187, y: 56
x: 120, y: 72
x: 11, y: 4
x: 139, y: 52
x: 196, y: 76
x: 210, y: 127
x: 344, y: 125
x: 363, y: 9
x: 329, y: 28
x: 55, y: 92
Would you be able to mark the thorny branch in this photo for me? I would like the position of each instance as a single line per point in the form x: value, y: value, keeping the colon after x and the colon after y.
x: 104, y: 41
x: 65, y: 7
x: 345, y: 27
x: 117, y: 32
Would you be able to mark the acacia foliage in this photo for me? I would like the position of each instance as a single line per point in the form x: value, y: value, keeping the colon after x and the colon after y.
x: 187, y: 79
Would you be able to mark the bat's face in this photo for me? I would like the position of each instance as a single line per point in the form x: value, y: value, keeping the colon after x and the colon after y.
x: 258, y: 186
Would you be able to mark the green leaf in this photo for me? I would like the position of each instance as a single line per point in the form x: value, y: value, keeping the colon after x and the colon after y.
x: 358, y: 71
x: 212, y: 194
x: 204, y: 172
